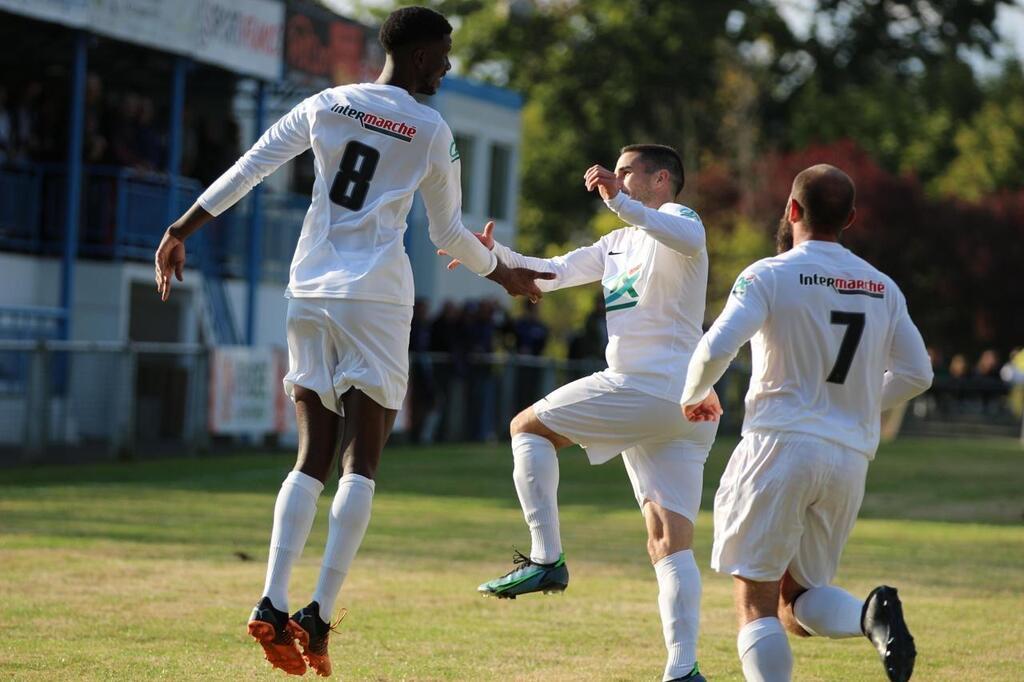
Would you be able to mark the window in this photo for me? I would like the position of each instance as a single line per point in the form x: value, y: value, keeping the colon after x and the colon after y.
x: 501, y: 175
x: 466, y: 146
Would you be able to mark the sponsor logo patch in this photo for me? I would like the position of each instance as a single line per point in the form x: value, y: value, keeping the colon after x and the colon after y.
x: 378, y: 124
x: 847, y: 286
x: 620, y: 291
x: 742, y: 282
x: 453, y: 152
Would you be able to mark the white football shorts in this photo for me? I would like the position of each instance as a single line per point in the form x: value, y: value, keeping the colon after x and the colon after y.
x: 787, y: 501
x: 335, y: 344
x: 664, y: 454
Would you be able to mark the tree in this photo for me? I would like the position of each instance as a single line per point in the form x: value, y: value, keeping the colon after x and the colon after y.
x: 598, y: 75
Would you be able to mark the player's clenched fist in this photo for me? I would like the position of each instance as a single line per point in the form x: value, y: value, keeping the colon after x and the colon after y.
x: 606, y: 182
x: 707, y: 410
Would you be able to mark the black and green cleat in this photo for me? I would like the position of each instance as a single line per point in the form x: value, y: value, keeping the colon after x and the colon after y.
x: 528, y: 577
x: 882, y: 622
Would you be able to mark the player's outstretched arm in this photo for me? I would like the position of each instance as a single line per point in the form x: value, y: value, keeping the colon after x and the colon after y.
x: 284, y: 140
x: 580, y: 266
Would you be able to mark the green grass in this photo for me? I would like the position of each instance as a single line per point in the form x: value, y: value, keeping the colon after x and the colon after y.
x: 131, y: 571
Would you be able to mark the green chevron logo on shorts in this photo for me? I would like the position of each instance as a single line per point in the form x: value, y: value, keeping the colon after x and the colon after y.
x: 621, y: 288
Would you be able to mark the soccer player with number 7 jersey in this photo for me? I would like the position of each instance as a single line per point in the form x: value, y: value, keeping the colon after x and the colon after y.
x: 832, y: 346
x: 350, y: 294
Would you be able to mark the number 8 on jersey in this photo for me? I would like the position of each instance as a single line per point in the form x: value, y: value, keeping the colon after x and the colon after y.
x: 352, y: 182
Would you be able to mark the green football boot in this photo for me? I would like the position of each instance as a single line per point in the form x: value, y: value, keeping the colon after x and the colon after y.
x: 528, y: 577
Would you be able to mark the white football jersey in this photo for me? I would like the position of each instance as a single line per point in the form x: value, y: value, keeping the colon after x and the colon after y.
x: 655, y: 276
x: 831, y: 343
x: 373, y: 146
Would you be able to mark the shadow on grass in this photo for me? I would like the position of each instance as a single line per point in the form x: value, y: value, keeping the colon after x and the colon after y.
x: 944, y: 480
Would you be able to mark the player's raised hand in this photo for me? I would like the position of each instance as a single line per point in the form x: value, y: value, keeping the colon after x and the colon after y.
x: 707, y: 410
x: 486, y: 238
x: 170, y: 258
x: 606, y: 182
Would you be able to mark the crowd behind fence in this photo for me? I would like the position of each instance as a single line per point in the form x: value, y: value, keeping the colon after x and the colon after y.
x: 66, y: 401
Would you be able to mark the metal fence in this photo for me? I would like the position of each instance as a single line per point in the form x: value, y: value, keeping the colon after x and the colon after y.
x: 65, y: 401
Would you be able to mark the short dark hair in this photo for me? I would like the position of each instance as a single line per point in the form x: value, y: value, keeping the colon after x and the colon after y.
x: 410, y: 25
x: 660, y: 157
x: 826, y: 195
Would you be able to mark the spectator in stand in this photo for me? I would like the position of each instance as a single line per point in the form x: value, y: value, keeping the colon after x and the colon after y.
x: 422, y: 387
x: 94, y: 144
x: 26, y: 122
x: 531, y: 333
x: 148, y: 140
x: 991, y: 389
x: 1012, y: 373
x: 479, y: 330
x: 6, y: 129
x: 446, y: 337
x: 124, y: 134
x: 590, y: 343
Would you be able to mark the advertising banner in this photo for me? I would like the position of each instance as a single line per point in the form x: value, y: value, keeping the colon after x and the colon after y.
x: 244, y: 36
x: 322, y: 49
x: 244, y: 388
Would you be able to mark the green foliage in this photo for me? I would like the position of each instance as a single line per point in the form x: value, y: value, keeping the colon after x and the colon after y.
x: 732, y: 247
x: 990, y: 146
x: 597, y: 75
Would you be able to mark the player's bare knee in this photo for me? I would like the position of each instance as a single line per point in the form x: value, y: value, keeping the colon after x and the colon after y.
x: 522, y: 422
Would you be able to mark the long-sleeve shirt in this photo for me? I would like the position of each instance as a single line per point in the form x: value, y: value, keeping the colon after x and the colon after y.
x: 373, y: 146
x: 832, y: 345
x: 655, y: 275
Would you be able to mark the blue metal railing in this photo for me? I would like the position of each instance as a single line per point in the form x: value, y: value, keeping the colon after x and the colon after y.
x: 123, y: 216
x: 24, y: 323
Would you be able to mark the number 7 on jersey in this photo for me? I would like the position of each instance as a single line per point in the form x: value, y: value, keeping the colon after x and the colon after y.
x: 848, y: 347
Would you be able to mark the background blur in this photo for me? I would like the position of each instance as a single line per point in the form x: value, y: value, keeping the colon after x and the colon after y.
x: 114, y: 116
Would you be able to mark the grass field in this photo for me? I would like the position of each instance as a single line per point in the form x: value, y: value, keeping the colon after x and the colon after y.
x: 133, y: 571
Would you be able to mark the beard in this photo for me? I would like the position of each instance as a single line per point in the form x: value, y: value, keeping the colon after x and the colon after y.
x: 784, y: 236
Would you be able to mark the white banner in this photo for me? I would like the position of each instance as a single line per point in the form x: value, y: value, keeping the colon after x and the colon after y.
x: 244, y: 36
x: 244, y: 388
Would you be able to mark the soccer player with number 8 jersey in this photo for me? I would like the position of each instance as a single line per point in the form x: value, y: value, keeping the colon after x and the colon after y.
x: 350, y: 294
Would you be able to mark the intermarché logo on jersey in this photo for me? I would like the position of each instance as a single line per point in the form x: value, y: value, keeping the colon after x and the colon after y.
x: 378, y: 124
x: 845, y: 285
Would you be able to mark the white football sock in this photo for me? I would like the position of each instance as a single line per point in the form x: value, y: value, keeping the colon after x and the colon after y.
x: 293, y: 517
x: 536, y: 477
x: 764, y: 651
x: 350, y: 515
x: 679, y: 603
x: 829, y: 612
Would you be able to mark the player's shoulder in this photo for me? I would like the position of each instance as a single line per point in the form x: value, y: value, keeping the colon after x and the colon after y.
x: 858, y: 264
x: 758, y: 275
x: 672, y: 208
x: 383, y: 95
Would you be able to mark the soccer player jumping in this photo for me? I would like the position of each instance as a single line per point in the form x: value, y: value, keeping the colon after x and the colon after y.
x: 655, y: 275
x: 350, y: 294
x: 832, y: 346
